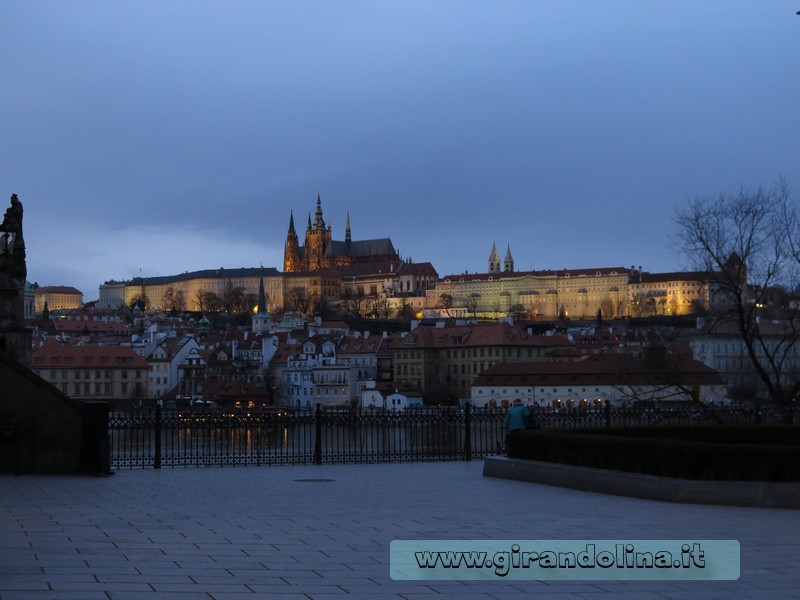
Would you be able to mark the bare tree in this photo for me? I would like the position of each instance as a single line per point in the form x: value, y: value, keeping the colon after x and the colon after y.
x: 405, y: 310
x: 232, y: 298
x: 659, y: 374
x: 141, y: 301
x: 472, y: 304
x: 747, y: 243
x: 518, y: 312
x: 249, y: 302
x: 174, y: 300
x: 298, y: 299
x: 206, y: 301
x: 446, y: 303
x: 607, y: 307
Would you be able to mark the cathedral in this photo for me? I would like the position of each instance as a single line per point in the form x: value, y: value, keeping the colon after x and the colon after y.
x: 319, y: 251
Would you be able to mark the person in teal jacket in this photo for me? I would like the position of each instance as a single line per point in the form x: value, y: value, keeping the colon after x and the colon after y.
x: 516, y: 418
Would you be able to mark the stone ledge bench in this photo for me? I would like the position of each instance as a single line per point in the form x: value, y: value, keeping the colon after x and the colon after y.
x: 651, y: 487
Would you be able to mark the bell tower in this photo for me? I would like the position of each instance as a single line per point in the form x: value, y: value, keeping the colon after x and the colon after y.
x: 494, y: 260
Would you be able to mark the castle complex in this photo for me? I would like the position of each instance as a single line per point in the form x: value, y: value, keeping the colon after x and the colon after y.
x: 324, y: 271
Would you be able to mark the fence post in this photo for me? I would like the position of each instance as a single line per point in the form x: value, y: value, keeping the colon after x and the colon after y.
x: 157, y: 457
x: 318, y: 435
x: 467, y: 432
x: 607, y: 412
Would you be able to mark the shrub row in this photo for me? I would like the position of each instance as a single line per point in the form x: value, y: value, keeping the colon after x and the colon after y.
x: 703, y: 453
x: 776, y: 435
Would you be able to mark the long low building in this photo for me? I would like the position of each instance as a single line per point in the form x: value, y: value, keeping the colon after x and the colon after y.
x: 597, y: 379
x: 576, y: 293
x: 191, y: 291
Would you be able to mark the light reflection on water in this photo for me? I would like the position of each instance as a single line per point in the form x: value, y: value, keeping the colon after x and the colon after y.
x: 206, y: 444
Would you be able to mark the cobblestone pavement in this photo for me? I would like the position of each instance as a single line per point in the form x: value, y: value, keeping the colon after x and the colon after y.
x: 319, y: 532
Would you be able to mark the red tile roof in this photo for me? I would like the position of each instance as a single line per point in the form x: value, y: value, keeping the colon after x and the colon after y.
x: 55, y: 355
x: 560, y: 273
x: 77, y: 326
x: 481, y: 335
x: 597, y: 370
x: 57, y: 289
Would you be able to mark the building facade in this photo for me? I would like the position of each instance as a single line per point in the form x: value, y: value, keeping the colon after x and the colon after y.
x: 592, y: 382
x: 86, y: 372
x: 575, y: 293
x: 57, y: 297
x: 449, y: 358
x: 667, y: 293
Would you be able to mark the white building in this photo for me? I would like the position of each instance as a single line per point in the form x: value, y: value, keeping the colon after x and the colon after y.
x: 594, y: 381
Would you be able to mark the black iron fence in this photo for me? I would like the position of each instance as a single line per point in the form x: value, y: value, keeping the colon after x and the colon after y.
x: 277, y: 436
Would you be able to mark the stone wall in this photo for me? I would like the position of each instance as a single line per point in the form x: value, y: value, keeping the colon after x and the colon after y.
x: 52, y: 433
x: 41, y: 429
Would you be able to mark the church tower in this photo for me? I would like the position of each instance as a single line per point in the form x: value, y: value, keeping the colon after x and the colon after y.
x: 291, y: 252
x: 261, y: 320
x: 508, y: 263
x: 494, y: 260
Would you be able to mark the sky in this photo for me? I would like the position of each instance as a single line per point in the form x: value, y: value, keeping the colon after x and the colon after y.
x: 156, y: 138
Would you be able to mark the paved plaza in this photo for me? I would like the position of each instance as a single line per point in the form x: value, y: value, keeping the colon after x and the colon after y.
x: 319, y: 532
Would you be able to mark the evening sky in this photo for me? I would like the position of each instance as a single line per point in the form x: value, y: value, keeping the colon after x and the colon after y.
x: 160, y: 137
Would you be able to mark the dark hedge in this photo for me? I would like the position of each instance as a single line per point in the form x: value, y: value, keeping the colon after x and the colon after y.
x: 722, y: 453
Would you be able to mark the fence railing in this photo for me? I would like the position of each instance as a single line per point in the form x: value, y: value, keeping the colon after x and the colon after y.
x: 277, y: 436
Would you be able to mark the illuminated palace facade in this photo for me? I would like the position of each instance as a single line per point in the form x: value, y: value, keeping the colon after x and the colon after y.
x: 160, y: 292
x: 574, y: 293
x: 577, y: 293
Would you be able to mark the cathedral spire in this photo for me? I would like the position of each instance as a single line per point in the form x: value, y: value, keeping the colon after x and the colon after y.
x: 319, y: 222
x: 347, y: 228
x: 291, y: 252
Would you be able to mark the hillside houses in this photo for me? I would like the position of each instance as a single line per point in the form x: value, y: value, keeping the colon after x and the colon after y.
x: 446, y: 358
x: 296, y: 362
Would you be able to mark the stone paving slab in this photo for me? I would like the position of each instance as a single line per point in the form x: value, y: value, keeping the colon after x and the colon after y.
x: 247, y: 532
